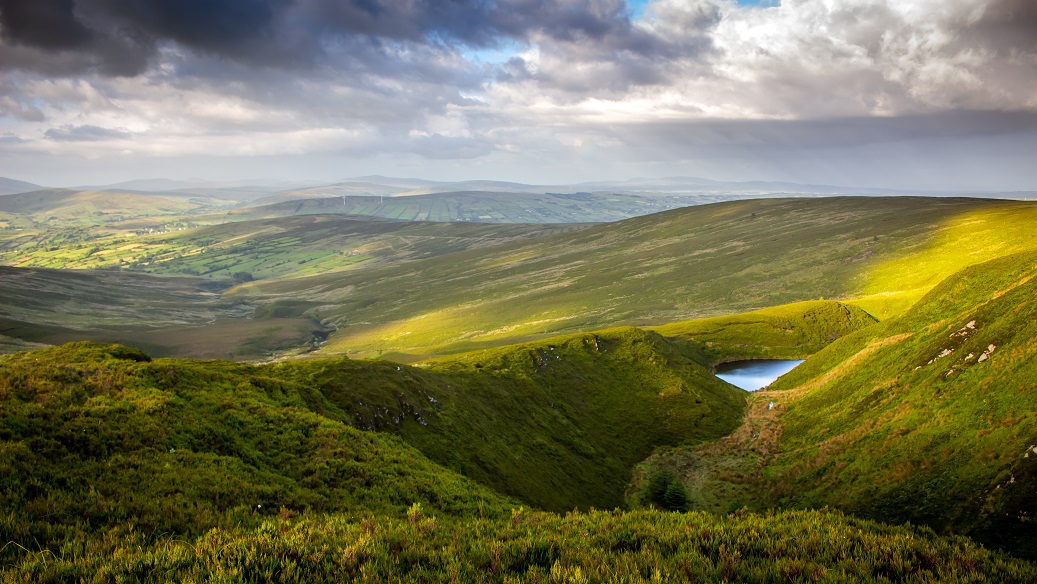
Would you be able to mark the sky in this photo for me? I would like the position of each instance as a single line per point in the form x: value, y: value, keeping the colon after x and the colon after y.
x: 919, y: 94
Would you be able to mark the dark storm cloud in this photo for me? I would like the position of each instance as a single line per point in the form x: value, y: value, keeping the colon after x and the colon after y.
x: 47, y: 24
x: 84, y: 133
x: 119, y: 36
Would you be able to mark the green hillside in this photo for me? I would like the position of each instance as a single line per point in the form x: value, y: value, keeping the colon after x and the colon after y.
x: 164, y: 315
x: 881, y: 253
x: 69, y: 207
x: 791, y: 331
x: 467, y: 286
x: 928, y: 417
x: 557, y: 425
x: 98, y: 436
x: 116, y: 467
x: 271, y: 248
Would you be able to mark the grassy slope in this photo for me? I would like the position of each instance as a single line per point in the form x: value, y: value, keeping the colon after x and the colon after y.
x: 935, y: 420
x: 558, y: 426
x: 644, y: 546
x: 901, y: 421
x: 687, y: 263
x: 93, y: 436
x: 116, y: 467
x: 62, y: 206
x: 272, y: 248
x: 558, y: 423
x: 167, y: 316
x: 790, y: 331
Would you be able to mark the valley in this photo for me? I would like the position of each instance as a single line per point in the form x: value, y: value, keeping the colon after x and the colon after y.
x: 385, y: 398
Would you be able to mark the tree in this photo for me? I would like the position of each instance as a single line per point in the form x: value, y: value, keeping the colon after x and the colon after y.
x: 666, y: 491
x: 676, y: 496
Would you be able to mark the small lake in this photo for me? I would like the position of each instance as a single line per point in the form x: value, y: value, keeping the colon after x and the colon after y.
x: 756, y: 373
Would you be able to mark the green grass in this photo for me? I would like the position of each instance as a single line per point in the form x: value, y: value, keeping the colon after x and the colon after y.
x: 164, y: 315
x: 558, y: 423
x: 465, y: 287
x: 928, y: 417
x: 116, y: 467
x: 688, y: 263
x: 600, y: 546
x: 947, y: 431
x: 271, y: 248
x: 791, y: 331
x: 64, y: 208
x: 98, y: 436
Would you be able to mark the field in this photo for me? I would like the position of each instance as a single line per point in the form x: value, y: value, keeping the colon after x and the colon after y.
x: 554, y: 370
x: 927, y: 417
x: 879, y: 254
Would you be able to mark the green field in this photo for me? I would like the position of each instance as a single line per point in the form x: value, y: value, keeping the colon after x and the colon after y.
x: 878, y: 253
x: 530, y: 402
x: 411, y: 290
x: 165, y: 315
x: 927, y: 417
x: 116, y: 466
x: 271, y: 248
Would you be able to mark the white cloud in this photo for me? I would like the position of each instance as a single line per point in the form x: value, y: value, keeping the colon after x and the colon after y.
x: 596, y: 83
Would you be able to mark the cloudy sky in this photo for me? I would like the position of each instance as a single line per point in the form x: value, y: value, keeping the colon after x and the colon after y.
x: 938, y: 94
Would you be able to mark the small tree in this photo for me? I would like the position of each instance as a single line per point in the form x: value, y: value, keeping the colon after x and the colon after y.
x: 666, y: 491
x: 676, y: 496
x: 655, y: 490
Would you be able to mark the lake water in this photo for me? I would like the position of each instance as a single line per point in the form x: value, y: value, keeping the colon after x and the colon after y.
x: 755, y: 374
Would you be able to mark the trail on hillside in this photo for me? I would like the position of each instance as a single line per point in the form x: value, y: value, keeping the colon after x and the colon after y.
x: 725, y: 475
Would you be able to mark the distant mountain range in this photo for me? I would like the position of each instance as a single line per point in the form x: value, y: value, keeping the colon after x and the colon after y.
x: 265, y: 191
x: 9, y: 186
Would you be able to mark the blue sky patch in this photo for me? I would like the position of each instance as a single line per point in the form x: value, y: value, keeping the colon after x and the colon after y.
x: 636, y: 8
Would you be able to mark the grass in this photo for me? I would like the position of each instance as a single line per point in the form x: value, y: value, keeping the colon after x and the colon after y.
x: 684, y: 264
x: 271, y: 248
x: 165, y: 315
x: 98, y: 436
x: 791, y: 331
x: 943, y: 408
x: 927, y: 417
x: 465, y: 287
x: 117, y: 467
x: 558, y: 423
x: 599, y: 546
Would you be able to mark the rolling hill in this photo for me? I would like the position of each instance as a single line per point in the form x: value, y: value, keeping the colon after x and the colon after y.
x: 60, y: 207
x: 476, y: 206
x: 271, y: 248
x: 10, y: 186
x: 927, y: 417
x: 467, y: 286
x: 166, y: 315
x: 880, y: 253
x: 333, y: 468
x: 117, y: 466
x: 941, y: 401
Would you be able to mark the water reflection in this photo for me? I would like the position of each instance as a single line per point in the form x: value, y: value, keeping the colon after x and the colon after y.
x: 755, y: 374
